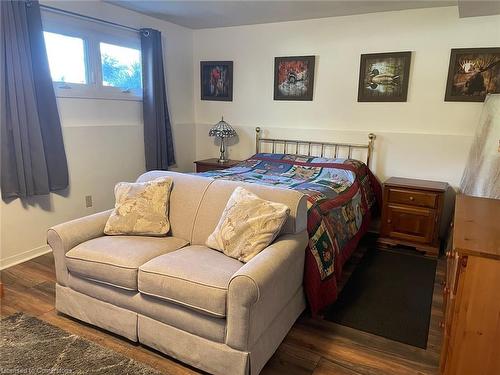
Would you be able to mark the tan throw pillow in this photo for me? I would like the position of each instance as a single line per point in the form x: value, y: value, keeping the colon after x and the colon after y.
x: 248, y: 225
x: 141, y: 208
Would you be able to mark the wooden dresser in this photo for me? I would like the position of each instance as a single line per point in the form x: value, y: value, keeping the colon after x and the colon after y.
x: 472, y: 290
x: 412, y: 213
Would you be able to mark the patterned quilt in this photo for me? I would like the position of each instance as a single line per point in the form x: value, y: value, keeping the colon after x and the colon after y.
x: 342, y: 197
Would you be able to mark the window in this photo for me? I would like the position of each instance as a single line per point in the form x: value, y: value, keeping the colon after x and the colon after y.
x: 91, y: 60
x: 66, y: 58
x: 121, y: 67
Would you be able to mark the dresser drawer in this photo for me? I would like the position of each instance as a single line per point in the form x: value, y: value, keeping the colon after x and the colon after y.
x: 413, y: 197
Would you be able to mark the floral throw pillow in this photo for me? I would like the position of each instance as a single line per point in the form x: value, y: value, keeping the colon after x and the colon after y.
x: 248, y: 225
x: 141, y: 208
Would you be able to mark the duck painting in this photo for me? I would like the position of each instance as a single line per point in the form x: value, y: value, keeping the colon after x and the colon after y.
x: 376, y: 78
x: 384, y: 77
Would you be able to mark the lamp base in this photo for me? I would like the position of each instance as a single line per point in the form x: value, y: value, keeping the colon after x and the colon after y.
x: 222, y: 156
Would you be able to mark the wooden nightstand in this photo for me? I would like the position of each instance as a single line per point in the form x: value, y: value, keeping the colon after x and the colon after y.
x: 412, y: 213
x: 213, y: 164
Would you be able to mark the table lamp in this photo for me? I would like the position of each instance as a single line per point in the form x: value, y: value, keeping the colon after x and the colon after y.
x: 222, y: 130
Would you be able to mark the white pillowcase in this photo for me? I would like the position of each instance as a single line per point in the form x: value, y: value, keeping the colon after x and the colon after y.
x: 248, y: 225
x: 141, y: 208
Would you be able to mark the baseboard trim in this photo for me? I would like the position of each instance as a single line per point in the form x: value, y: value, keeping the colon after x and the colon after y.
x: 23, y: 257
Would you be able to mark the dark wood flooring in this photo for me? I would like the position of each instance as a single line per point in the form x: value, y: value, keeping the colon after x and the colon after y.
x: 312, y: 347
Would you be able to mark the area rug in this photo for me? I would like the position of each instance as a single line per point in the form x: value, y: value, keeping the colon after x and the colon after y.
x: 389, y: 294
x: 31, y: 346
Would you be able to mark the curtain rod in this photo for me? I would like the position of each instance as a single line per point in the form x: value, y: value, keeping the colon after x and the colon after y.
x: 62, y: 11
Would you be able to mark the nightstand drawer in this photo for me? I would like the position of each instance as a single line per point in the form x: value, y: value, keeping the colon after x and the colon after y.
x: 409, y: 223
x: 413, y: 197
x: 206, y: 168
x: 213, y: 165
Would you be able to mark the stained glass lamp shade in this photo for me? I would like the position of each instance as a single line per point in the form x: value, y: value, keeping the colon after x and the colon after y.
x: 222, y: 130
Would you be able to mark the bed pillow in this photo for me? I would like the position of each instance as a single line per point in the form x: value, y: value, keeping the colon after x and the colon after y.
x: 248, y: 225
x: 141, y: 208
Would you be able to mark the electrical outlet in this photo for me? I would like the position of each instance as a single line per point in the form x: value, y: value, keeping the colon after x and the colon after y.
x: 88, y: 201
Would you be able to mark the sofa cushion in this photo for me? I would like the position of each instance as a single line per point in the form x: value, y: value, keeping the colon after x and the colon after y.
x: 115, y: 260
x: 247, y: 226
x: 185, y: 197
x: 141, y: 208
x: 194, y: 276
x: 218, y: 193
x: 172, y: 314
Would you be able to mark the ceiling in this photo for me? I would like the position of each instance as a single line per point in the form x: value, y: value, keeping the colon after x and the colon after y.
x: 210, y: 14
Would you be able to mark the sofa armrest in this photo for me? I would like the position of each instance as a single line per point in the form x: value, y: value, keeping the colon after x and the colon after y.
x: 260, y: 289
x: 63, y: 237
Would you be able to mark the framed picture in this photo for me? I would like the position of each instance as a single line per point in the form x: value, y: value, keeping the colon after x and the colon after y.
x: 473, y: 73
x: 216, y: 80
x: 383, y: 77
x: 294, y: 78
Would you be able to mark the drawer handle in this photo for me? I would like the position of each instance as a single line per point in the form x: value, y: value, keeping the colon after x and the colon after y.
x: 441, y: 324
x: 411, y: 198
x: 389, y: 221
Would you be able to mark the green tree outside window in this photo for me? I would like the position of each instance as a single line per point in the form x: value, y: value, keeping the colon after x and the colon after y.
x: 120, y: 75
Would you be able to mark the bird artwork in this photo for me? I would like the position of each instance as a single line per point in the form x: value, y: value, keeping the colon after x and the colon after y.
x: 377, y: 78
x: 384, y: 77
x: 216, y: 80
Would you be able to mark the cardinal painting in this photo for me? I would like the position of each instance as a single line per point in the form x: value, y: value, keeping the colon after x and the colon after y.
x: 216, y: 80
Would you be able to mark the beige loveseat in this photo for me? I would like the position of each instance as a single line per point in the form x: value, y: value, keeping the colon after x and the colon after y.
x: 178, y: 296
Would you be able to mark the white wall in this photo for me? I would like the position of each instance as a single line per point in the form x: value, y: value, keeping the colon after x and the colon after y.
x: 424, y: 137
x: 103, y: 140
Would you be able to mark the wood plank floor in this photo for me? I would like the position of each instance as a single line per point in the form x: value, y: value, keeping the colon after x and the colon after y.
x: 312, y: 347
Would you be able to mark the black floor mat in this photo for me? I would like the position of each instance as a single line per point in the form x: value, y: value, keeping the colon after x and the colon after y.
x: 389, y: 294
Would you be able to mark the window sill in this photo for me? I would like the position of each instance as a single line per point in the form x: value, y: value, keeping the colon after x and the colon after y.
x: 76, y: 91
x: 99, y: 97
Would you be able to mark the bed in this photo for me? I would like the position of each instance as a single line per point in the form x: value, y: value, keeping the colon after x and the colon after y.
x: 343, y: 197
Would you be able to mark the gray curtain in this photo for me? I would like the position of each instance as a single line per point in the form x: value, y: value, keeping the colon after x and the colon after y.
x: 33, y: 160
x: 158, y: 143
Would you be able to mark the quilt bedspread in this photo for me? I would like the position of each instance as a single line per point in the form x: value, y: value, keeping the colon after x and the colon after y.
x: 342, y: 195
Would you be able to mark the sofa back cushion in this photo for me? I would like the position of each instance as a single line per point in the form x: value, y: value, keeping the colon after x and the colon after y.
x: 185, y: 197
x: 217, y: 196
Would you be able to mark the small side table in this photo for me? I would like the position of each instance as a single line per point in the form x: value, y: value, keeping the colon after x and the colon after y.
x: 214, y: 165
x: 412, y: 213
